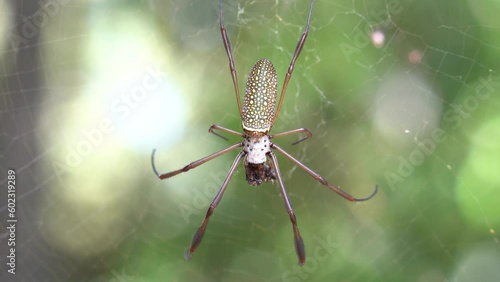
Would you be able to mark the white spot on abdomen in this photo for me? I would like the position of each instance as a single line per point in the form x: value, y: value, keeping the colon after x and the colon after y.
x: 256, y: 149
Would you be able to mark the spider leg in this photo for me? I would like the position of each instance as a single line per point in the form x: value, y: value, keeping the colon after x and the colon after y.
x: 299, y: 243
x: 300, y: 44
x: 294, y: 131
x: 201, y: 230
x: 218, y: 127
x: 321, y: 180
x: 227, y: 46
x: 193, y: 164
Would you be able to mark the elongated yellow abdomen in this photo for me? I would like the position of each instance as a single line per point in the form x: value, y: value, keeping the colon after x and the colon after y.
x: 260, y: 98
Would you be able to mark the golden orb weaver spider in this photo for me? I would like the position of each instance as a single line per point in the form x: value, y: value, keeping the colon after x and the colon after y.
x: 258, y: 115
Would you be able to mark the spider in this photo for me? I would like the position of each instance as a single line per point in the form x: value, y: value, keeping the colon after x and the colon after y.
x: 258, y: 115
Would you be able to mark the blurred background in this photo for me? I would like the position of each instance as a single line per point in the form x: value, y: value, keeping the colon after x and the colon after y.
x: 403, y: 94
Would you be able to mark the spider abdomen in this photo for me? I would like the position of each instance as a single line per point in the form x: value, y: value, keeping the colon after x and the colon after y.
x: 259, y: 101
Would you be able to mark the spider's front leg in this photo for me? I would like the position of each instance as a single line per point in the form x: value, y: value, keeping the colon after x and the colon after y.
x: 201, y: 230
x: 299, y: 243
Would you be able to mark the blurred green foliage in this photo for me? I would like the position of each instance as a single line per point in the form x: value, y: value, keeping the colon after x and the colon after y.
x: 417, y: 114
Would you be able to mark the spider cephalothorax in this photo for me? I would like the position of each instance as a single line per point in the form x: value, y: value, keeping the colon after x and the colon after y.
x: 256, y: 169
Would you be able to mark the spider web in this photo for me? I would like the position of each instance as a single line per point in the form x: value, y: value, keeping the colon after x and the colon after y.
x: 399, y: 93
